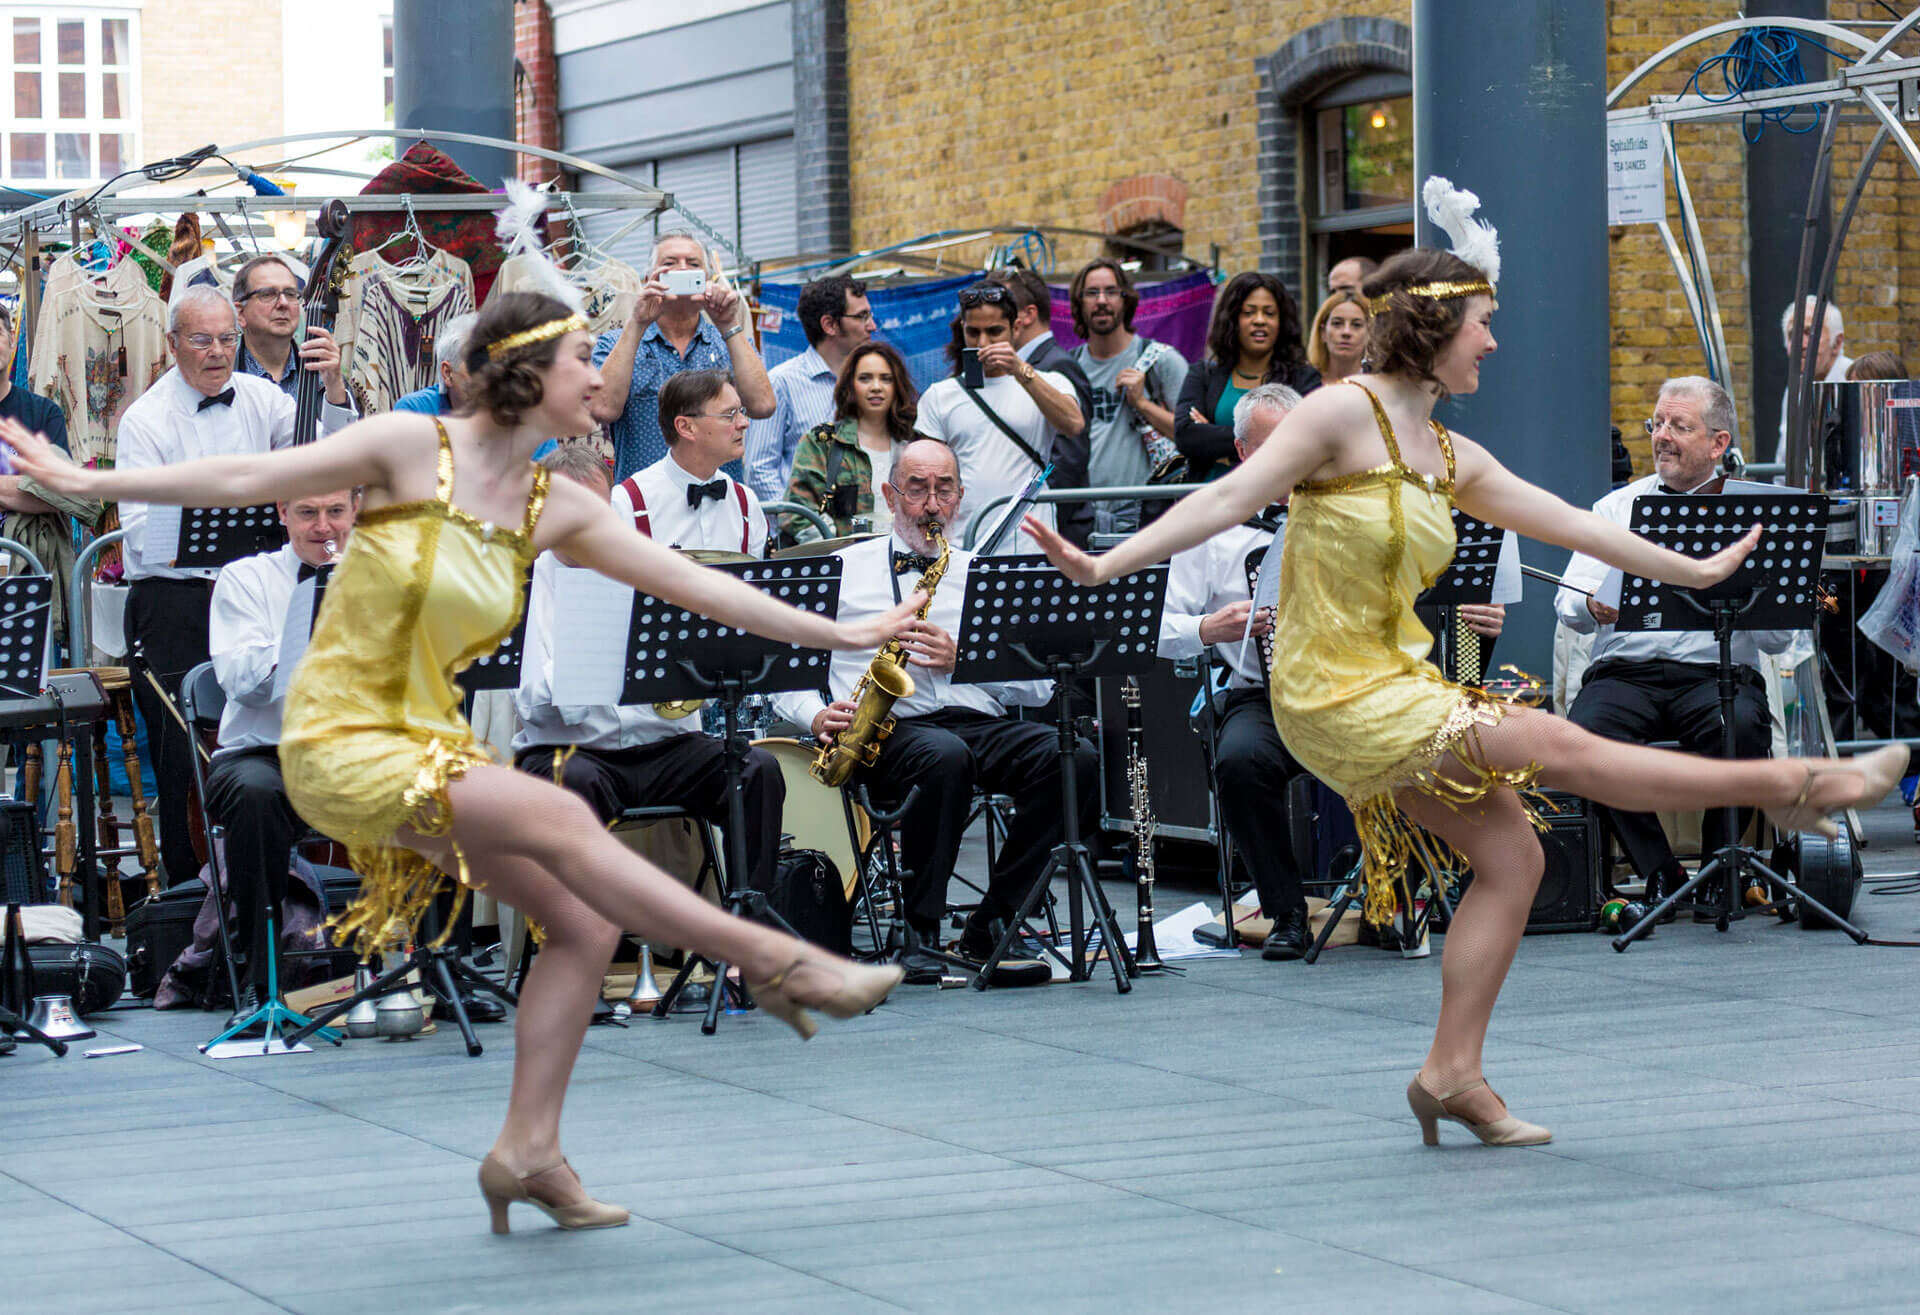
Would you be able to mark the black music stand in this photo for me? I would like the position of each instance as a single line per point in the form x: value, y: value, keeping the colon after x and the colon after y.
x: 1774, y: 589
x: 1469, y: 579
x: 214, y: 536
x: 1023, y: 620
x: 22, y: 881
x: 675, y: 654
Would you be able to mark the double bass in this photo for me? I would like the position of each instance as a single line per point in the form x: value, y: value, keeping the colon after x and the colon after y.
x: 320, y: 307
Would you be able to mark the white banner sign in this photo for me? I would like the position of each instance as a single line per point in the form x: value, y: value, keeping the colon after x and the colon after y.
x: 1636, y: 172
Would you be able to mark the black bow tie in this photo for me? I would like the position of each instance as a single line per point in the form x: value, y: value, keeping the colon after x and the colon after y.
x: 904, y: 562
x: 222, y: 398
x: 715, y: 489
x: 308, y: 571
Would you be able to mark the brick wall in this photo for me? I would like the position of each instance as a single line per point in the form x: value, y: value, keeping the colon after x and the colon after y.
x: 195, y: 89
x: 536, y: 114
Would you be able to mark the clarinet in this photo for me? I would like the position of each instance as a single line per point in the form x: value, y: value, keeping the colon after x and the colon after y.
x: 1146, y: 956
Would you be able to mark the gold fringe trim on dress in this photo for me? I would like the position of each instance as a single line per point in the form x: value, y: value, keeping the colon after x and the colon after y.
x: 1390, y: 841
x: 397, y: 885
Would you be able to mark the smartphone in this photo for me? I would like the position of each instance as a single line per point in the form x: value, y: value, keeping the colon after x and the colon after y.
x: 684, y: 282
x: 970, y: 372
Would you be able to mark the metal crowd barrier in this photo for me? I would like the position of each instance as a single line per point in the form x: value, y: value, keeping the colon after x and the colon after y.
x: 783, y: 507
x: 79, y: 613
x: 1116, y: 493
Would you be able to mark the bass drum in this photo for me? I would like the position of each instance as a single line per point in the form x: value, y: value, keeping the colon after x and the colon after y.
x: 815, y: 814
x: 1829, y: 871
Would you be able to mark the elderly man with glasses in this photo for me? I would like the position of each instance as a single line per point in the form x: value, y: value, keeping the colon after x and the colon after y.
x: 266, y: 293
x: 1646, y: 686
x: 199, y: 408
x: 948, y: 738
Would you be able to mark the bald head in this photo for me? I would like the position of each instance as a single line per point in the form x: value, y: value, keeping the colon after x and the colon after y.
x: 923, y: 486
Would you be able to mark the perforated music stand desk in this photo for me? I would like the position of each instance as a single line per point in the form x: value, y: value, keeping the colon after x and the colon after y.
x: 499, y: 669
x: 25, y: 622
x: 1024, y: 620
x: 1775, y: 588
x: 675, y: 654
x: 1468, y: 580
x: 214, y: 536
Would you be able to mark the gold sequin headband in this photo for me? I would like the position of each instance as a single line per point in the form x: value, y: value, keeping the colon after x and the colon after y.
x: 538, y: 333
x: 1438, y: 291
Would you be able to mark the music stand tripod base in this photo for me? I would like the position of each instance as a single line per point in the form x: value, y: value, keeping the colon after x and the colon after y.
x: 1774, y: 589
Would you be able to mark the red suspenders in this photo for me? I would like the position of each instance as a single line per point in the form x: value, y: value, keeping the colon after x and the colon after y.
x: 641, y: 522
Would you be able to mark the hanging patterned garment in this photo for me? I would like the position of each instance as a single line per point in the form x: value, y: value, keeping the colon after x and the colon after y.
x: 611, y: 287
x: 99, y: 344
x: 389, y: 319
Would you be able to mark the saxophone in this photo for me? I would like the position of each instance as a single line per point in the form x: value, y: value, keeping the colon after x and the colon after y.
x: 883, y: 683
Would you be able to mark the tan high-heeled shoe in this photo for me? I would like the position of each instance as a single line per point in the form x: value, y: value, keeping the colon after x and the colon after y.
x: 862, y: 987
x: 1879, y: 772
x: 502, y: 1187
x: 1430, y: 1109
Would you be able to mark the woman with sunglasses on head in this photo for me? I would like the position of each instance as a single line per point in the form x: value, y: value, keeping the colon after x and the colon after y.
x: 1372, y: 479
x: 840, y: 466
x: 376, y: 753
x: 1254, y: 339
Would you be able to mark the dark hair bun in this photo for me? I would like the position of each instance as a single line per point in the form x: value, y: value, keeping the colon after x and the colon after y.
x: 1407, y: 335
x: 510, y: 387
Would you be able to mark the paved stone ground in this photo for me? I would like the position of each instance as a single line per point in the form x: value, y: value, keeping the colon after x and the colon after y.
x: 1735, y: 1118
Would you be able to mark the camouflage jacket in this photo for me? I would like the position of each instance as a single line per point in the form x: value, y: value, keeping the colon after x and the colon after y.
x: 808, y: 483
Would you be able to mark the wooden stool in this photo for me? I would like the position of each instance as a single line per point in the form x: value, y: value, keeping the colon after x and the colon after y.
x: 118, y: 684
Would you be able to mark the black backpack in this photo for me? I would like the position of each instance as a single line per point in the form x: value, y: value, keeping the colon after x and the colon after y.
x: 808, y: 893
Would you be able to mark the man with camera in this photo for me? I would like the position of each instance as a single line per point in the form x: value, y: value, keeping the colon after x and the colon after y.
x: 999, y: 414
x: 948, y: 738
x: 1135, y: 383
x: 836, y: 317
x: 687, y: 317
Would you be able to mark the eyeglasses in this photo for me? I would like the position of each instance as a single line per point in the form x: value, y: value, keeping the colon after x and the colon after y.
x: 729, y: 415
x: 917, y: 491
x: 986, y: 294
x: 272, y: 294
x: 1673, y: 427
x: 864, y: 317
x: 200, y: 342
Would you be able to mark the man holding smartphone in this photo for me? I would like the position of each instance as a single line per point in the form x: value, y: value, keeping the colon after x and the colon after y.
x: 1001, y: 422
x: 688, y: 317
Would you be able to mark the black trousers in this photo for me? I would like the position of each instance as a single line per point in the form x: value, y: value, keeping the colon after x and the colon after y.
x: 947, y: 754
x: 1641, y: 702
x: 1252, y: 774
x: 167, y: 635
x: 687, y: 771
x: 245, y: 795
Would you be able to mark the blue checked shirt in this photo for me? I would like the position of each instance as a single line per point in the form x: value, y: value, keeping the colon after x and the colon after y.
x: 802, y: 398
x: 637, y: 441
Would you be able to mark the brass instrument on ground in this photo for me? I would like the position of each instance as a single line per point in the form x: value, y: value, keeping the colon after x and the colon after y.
x: 885, y: 682
x: 1146, y: 955
x: 675, y: 709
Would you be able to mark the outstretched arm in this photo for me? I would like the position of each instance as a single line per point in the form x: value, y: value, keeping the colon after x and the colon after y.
x: 585, y: 530
x: 360, y: 455
x: 1305, y: 441
x: 1489, y: 491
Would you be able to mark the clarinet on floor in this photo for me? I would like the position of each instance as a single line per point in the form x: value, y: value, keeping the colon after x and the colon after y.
x: 1146, y: 956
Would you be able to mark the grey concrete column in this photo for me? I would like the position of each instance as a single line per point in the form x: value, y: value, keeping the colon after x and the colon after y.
x: 822, y: 165
x: 453, y: 72
x: 1779, y: 167
x: 1509, y: 104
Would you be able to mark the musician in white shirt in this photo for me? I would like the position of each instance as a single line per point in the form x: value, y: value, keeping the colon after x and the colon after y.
x: 949, y: 738
x: 245, y: 792
x: 685, y: 499
x: 625, y: 757
x: 1643, y: 686
x: 199, y: 408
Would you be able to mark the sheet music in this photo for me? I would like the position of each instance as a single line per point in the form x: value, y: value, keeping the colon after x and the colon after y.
x: 1266, y: 594
x: 593, y: 613
x: 1506, y: 573
x: 160, y: 544
x: 295, y: 632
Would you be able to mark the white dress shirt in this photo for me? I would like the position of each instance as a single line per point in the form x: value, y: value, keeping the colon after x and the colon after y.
x: 167, y: 426
x: 1609, y: 644
x: 802, y: 398
x: 1835, y: 374
x: 249, y: 612
x: 867, y: 588
x: 991, y: 465
x: 1202, y: 580
x: 715, y: 523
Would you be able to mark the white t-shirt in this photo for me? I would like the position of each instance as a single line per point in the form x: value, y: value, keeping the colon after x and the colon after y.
x: 991, y: 466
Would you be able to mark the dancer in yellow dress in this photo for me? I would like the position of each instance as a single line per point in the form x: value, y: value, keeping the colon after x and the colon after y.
x: 1372, y: 477
x: 375, y: 750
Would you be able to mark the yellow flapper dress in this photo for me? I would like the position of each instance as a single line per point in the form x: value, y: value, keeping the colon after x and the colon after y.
x: 1354, y: 698
x: 373, y: 731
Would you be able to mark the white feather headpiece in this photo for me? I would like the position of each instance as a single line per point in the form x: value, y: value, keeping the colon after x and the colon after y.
x: 1474, y: 240
x: 518, y: 230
